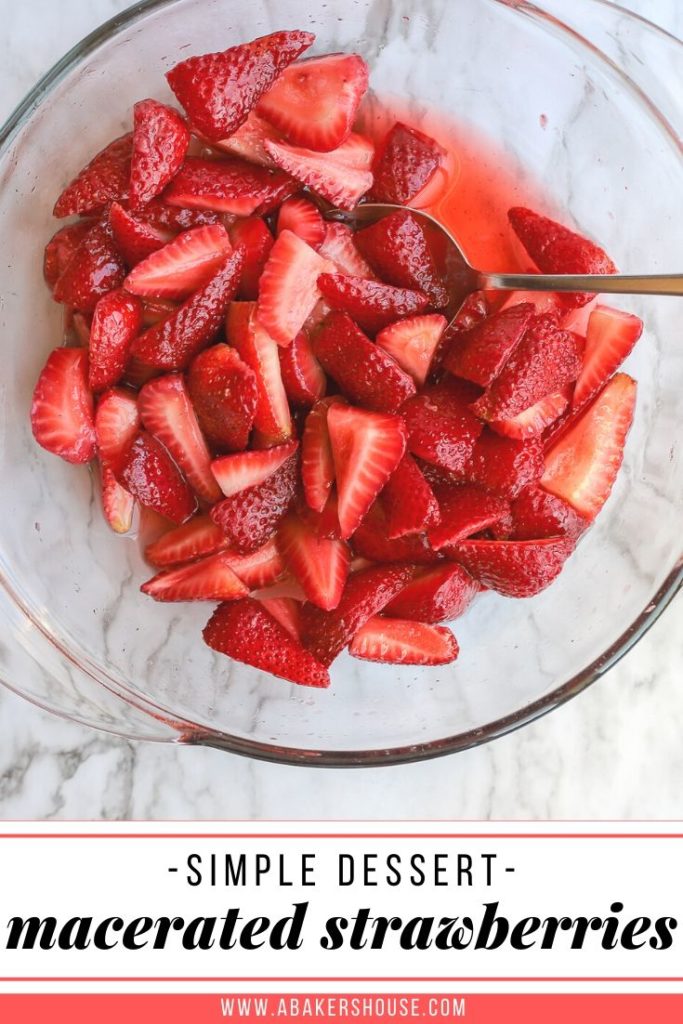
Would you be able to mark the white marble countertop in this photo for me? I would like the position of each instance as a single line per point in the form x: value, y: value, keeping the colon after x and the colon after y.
x: 615, y: 752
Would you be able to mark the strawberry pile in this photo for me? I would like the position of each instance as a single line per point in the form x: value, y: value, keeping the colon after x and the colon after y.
x: 338, y: 466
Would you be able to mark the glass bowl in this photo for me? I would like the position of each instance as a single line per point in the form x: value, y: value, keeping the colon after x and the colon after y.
x: 576, y: 105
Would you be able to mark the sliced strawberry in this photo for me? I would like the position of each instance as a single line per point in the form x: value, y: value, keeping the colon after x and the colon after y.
x: 174, y: 218
x: 303, y: 218
x: 396, y: 248
x: 326, y: 633
x: 93, y: 270
x: 228, y: 186
x: 326, y: 523
x: 286, y: 611
x: 371, y: 541
x: 160, y: 141
x: 302, y: 375
x: 248, y: 142
x: 117, y: 422
x: 251, y: 517
x: 317, y: 462
x: 413, y: 342
x: 557, y: 250
x: 401, y: 642
x: 339, y: 248
x: 286, y: 586
x: 184, y: 543
x: 151, y: 476
x: 167, y: 413
x: 515, y: 568
x: 409, y: 501
x: 172, y: 343
x: 259, y: 568
x: 536, y: 514
x: 405, y: 163
x: 247, y: 632
x: 288, y: 289
x: 582, y: 466
x: 371, y: 304
x: 224, y: 393
x: 135, y: 238
x: 610, y: 338
x: 534, y: 420
x: 320, y: 565
x: 503, y: 465
x: 260, y: 352
x: 335, y: 176
x: 181, y: 266
x: 217, y: 90
x: 235, y: 473
x: 480, y: 352
x: 61, y: 247
x: 118, y: 504
x: 437, y: 594
x: 253, y: 235
x: 62, y: 406
x: 442, y: 429
x: 314, y: 102
x: 208, y: 579
x: 366, y: 447
x: 464, y: 511
x: 104, y: 180
x: 115, y: 323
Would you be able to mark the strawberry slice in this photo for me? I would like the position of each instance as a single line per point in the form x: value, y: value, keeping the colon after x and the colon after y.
x: 464, y: 511
x: 288, y: 289
x: 61, y: 247
x: 536, y: 514
x: 442, y: 429
x: 303, y: 218
x: 371, y: 541
x: 224, y: 393
x: 167, y: 413
x: 557, y: 250
x: 260, y: 352
x: 366, y: 447
x: 228, y: 186
x: 217, y: 90
x: 115, y: 323
x: 413, y: 342
x: 610, y: 339
x: 397, y: 249
x: 118, y: 504
x: 172, y: 343
x: 259, y: 568
x: 409, y: 501
x: 515, y: 568
x: 371, y: 304
x: 438, y: 594
x: 314, y: 102
x: 286, y: 611
x: 339, y: 248
x: 62, y: 406
x: 208, y: 579
x: 135, y: 239
x: 319, y: 564
x: 401, y: 642
x: 94, y: 269
x: 182, y: 265
x: 534, y: 420
x: 235, y: 473
x: 248, y: 142
x: 406, y: 162
x: 104, y: 180
x: 480, y: 352
x: 253, y: 235
x: 317, y: 462
x: 151, y: 476
x: 505, y: 466
x: 335, y: 176
x: 582, y: 466
x: 184, y: 543
x: 302, y: 375
x: 160, y: 141
x: 247, y: 632
x: 117, y: 422
x: 251, y: 517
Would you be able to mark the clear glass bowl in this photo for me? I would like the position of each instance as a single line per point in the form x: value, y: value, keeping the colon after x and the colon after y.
x: 79, y: 639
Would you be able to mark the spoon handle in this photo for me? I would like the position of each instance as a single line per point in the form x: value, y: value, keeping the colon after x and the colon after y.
x: 626, y: 284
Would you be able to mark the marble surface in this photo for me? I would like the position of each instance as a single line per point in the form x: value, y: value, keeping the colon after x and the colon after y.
x: 613, y: 753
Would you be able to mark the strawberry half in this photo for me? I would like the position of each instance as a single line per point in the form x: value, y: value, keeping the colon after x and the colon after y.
x: 536, y: 514
x: 94, y: 269
x: 464, y: 511
x: 160, y: 141
x: 62, y: 406
x: 224, y: 393
x: 247, y: 632
x: 117, y: 422
x: 339, y: 248
x: 610, y: 339
x: 413, y: 342
x: 288, y: 289
x: 366, y: 447
x: 319, y: 564
x: 184, y: 543
x: 302, y: 375
x: 234, y: 473
x: 217, y: 90
x: 371, y: 304
x: 442, y: 429
x: 182, y: 265
x: 437, y: 594
x: 259, y: 568
x: 118, y: 504
x: 503, y: 465
x: 537, y: 418
x: 135, y: 239
x: 335, y: 176
x: 104, y: 180
x: 303, y: 218
x: 228, y: 186
x: 251, y: 517
x: 151, y: 476
x: 115, y: 323
x: 396, y: 248
x: 408, y: 501
x: 253, y: 235
x: 405, y: 163
x: 480, y: 352
x: 371, y: 541
x: 208, y: 579
x: 260, y: 352
x: 248, y: 142
x: 515, y: 568
x: 401, y: 642
x: 317, y: 462
x: 61, y: 248
x: 314, y: 102
x: 582, y: 466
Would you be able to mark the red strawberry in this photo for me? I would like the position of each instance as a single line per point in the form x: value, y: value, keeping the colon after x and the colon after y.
x: 260, y: 352
x: 151, y: 476
x: 371, y: 304
x: 286, y: 586
x: 505, y: 466
x: 288, y: 289
x: 303, y: 218
x: 174, y: 218
x: 160, y: 141
x: 515, y: 568
x: 317, y: 462
x: 366, y: 447
x: 248, y: 142
x: 413, y: 343
x: 339, y: 248
x: 320, y: 565
x: 172, y: 343
x: 61, y: 248
x: 438, y: 594
x: 102, y: 181
x: 464, y: 511
x: 409, y: 501
x: 335, y: 176
x: 405, y: 163
x: 610, y: 338
x: 247, y: 632
x: 302, y: 375
x: 117, y: 504
x: 217, y: 90
x: 228, y: 186
x: 534, y: 420
x: 396, y: 248
x: 480, y: 352
x: 224, y: 393
x: 537, y: 514
x: 182, y: 265
x: 115, y: 323
x: 62, y: 406
x: 184, y: 543
x: 135, y: 239
x: 237, y: 472
x: 401, y: 642
x: 251, y: 517
x: 326, y: 633
x: 260, y: 568
x: 93, y: 270
x: 582, y: 466
x: 253, y: 235
x: 442, y: 429
x: 314, y: 102
x: 117, y: 422
x: 286, y: 611
x: 208, y: 579
x: 371, y: 541
x: 557, y: 250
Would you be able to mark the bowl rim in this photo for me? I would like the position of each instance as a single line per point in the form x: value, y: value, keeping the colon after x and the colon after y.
x: 182, y: 730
